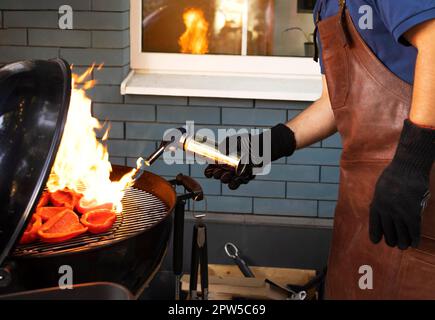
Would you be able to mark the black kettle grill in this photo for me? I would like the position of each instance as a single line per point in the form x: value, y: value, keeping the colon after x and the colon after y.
x: 34, y: 101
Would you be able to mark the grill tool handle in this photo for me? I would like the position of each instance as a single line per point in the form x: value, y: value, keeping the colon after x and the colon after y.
x: 244, y: 268
x: 233, y: 252
x: 191, y: 185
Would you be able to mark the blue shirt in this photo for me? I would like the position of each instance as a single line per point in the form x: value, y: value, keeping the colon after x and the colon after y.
x: 391, y: 19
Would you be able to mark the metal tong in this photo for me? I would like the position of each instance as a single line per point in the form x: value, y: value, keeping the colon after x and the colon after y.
x: 292, y: 295
x: 233, y: 252
x: 199, y: 259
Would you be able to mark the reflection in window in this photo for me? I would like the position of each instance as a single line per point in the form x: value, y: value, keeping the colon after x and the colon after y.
x: 235, y: 27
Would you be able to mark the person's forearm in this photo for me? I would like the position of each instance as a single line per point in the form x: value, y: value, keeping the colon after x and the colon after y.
x: 423, y: 101
x: 315, y: 123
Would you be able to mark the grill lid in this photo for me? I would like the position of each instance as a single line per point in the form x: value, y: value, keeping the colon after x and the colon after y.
x: 34, y: 100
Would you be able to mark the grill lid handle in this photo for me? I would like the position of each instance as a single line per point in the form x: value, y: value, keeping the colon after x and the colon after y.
x: 191, y: 185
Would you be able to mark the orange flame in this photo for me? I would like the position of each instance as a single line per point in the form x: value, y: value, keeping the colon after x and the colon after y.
x: 194, y: 39
x: 82, y: 162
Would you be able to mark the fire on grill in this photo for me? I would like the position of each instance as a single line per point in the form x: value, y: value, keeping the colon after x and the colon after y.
x: 79, y: 183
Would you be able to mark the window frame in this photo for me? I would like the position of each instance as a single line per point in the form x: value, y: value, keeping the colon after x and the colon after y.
x: 209, y: 63
x: 231, y: 66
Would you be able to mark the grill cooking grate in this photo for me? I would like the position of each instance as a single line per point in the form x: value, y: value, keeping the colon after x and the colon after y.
x: 141, y: 210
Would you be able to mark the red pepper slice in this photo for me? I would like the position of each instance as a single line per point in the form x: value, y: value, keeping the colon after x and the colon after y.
x: 43, y: 201
x: 98, y: 221
x: 31, y: 232
x: 83, y: 206
x: 64, y: 198
x: 62, y: 227
x: 47, y: 212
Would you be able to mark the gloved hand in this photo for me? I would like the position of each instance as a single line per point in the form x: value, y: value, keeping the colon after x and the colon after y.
x: 402, y: 190
x: 283, y: 144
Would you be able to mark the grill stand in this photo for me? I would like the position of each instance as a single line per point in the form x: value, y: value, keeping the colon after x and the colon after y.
x: 196, y: 194
x: 177, y: 259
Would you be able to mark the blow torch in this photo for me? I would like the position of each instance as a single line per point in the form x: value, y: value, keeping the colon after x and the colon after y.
x: 193, y: 144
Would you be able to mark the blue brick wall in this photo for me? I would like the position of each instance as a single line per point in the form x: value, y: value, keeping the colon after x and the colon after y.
x: 305, y: 184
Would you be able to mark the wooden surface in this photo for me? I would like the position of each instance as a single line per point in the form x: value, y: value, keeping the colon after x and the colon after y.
x: 282, y: 276
x: 227, y: 282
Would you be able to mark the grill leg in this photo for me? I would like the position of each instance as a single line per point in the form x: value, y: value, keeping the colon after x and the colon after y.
x: 178, y: 245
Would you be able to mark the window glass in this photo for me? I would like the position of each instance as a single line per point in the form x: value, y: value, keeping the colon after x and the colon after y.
x: 235, y: 27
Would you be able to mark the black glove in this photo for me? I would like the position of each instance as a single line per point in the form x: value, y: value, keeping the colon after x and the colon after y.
x: 283, y: 144
x: 402, y: 190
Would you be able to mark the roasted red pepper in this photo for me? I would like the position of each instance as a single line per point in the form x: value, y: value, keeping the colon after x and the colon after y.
x: 47, y: 212
x: 65, y: 198
x: 83, y: 206
x: 31, y: 232
x: 98, y: 221
x: 43, y: 201
x: 62, y: 227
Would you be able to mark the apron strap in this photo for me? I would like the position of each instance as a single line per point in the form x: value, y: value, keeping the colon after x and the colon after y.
x: 316, y: 32
x: 344, y: 32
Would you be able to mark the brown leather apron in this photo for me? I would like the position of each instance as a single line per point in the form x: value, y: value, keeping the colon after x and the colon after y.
x: 370, y: 104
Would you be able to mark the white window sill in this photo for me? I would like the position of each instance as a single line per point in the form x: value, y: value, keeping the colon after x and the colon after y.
x: 296, y: 88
